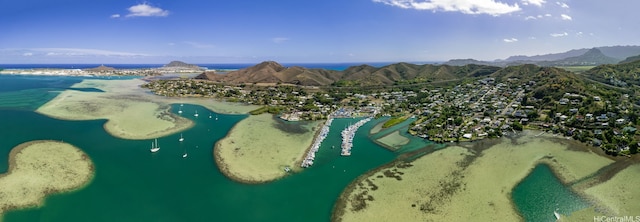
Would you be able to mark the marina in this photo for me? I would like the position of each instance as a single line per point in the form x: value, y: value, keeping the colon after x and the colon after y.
x: 347, y: 136
x: 315, y: 146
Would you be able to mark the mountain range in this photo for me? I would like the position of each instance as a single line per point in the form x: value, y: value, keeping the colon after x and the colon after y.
x: 577, y: 57
x: 362, y: 75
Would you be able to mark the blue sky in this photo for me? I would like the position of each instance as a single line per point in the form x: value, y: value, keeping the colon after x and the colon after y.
x: 241, y: 31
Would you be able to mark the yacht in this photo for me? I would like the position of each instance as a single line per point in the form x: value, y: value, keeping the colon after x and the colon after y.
x: 180, y: 110
x: 156, y: 147
x: 181, y: 138
x: 196, y: 115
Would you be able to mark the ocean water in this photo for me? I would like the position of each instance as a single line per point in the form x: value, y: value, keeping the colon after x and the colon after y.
x: 541, y: 192
x: 132, y: 184
x: 223, y: 66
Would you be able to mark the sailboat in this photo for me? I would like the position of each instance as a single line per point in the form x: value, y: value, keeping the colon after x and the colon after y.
x: 216, y: 116
x: 185, y: 153
x: 180, y: 109
x: 181, y: 138
x: 196, y: 115
x: 156, y: 147
x: 209, y: 115
x: 556, y: 214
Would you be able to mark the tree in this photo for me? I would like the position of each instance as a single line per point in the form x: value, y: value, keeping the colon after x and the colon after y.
x: 516, y: 126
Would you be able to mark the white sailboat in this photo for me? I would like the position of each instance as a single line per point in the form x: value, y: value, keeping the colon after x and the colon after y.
x: 196, y: 115
x: 216, y: 116
x: 180, y: 109
x: 156, y: 147
x: 185, y: 153
x: 556, y: 214
x: 181, y: 138
x: 209, y: 115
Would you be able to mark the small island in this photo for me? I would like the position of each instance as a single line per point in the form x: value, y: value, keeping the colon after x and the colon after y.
x: 41, y: 168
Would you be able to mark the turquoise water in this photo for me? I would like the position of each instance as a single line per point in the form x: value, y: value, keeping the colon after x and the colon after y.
x: 132, y: 184
x: 540, y: 193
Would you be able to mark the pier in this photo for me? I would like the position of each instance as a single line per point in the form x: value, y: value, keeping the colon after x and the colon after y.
x: 315, y: 146
x: 348, y: 134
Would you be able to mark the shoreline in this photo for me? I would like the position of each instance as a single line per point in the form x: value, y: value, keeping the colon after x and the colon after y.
x: 515, y: 158
x: 256, y: 151
x: 36, y: 170
x: 130, y: 112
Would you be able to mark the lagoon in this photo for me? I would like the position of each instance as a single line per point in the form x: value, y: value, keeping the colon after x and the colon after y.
x: 132, y: 184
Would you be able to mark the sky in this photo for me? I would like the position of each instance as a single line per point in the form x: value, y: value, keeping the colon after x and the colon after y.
x: 306, y: 31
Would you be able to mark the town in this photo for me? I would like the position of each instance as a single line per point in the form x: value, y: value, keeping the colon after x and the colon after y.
x: 469, y: 111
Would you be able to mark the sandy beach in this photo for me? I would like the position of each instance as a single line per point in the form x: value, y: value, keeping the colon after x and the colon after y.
x: 481, y: 181
x: 130, y: 111
x: 40, y: 168
x: 256, y: 151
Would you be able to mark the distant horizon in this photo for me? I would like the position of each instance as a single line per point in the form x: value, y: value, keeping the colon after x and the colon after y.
x: 242, y: 31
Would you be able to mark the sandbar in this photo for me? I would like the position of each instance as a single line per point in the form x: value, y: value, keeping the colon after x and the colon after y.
x: 256, y: 151
x: 620, y: 193
x: 130, y: 111
x: 394, y: 140
x: 40, y: 168
x: 475, y: 186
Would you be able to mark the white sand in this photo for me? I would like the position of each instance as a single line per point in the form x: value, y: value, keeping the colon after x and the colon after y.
x: 40, y: 168
x: 132, y: 113
x: 256, y: 151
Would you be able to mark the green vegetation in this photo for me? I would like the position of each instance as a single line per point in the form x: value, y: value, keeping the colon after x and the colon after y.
x: 394, y: 121
x: 266, y: 109
x: 576, y: 69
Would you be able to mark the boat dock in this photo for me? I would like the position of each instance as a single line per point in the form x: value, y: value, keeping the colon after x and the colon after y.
x: 311, y: 155
x: 348, y: 134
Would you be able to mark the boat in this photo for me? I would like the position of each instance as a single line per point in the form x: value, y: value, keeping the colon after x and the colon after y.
x: 556, y: 214
x: 196, y: 115
x: 180, y: 110
x: 287, y: 169
x: 216, y: 116
x: 181, y: 138
x: 209, y: 115
x: 184, y: 155
x: 156, y: 147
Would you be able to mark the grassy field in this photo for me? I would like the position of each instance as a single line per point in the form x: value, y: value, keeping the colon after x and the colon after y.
x: 576, y: 69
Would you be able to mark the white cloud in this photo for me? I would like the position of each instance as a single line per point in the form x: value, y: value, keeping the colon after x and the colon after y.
x: 559, y: 34
x: 534, y: 2
x: 510, y: 40
x: 547, y: 15
x: 280, y: 39
x: 27, y: 54
x: 198, y: 45
x: 530, y: 18
x: 78, y: 52
x: 490, y: 7
x: 579, y: 34
x: 562, y: 4
x: 115, y: 16
x: 145, y: 10
x: 566, y: 17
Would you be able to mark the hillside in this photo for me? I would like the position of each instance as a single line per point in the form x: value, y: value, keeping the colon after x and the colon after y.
x: 272, y: 72
x: 622, y: 75
x: 174, y: 64
x: 617, y: 52
x: 362, y: 75
x: 590, y: 58
x: 630, y: 59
